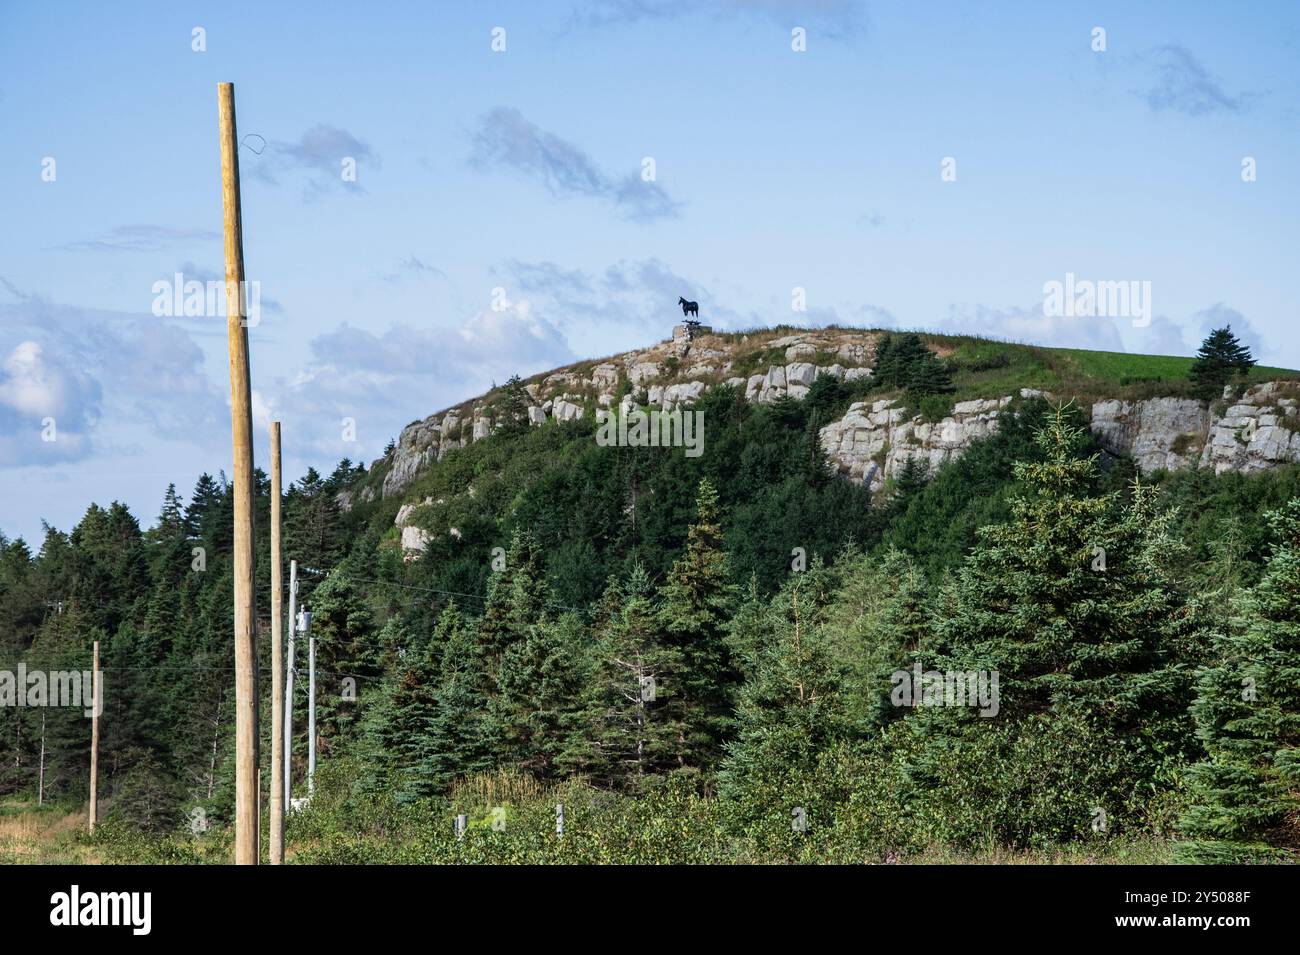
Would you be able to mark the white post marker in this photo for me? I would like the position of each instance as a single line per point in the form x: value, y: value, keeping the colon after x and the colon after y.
x: 304, y: 624
x: 290, y: 672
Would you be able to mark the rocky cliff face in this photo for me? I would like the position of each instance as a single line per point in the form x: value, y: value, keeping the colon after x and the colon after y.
x: 669, y: 375
x: 1260, y: 430
x: 874, y: 440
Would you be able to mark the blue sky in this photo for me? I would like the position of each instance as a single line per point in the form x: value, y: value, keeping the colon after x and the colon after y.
x: 522, y: 170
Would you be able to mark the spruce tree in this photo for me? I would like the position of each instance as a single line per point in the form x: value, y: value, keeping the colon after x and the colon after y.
x: 1069, y: 599
x: 396, y: 724
x: 518, y: 600
x: 635, y: 727
x: 748, y: 632
x: 928, y: 375
x: 458, y: 739
x: 1071, y: 604
x: 202, y: 501
x: 789, y: 712
x: 882, y: 617
x: 542, y: 689
x: 696, y: 603
x: 884, y: 366
x: 1220, y: 357
x: 513, y: 415
x: 1247, y: 791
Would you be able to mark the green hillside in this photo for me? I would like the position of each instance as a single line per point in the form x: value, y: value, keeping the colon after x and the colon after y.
x: 770, y: 605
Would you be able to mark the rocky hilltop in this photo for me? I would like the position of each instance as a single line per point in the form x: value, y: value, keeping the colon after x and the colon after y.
x: 1251, y: 428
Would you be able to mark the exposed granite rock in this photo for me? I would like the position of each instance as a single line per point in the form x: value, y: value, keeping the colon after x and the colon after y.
x: 417, y: 445
x: 642, y: 372
x: 679, y: 394
x: 564, y: 394
x: 1159, y: 433
x: 800, y: 372
x: 852, y: 353
x: 874, y: 441
x: 605, y: 376
x: 414, y: 540
x: 1259, y: 431
x: 568, y: 408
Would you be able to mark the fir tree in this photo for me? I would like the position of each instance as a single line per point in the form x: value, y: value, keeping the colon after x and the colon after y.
x: 903, y: 361
x: 1072, y: 596
x: 202, y: 501
x: 884, y: 366
x: 881, y: 616
x: 313, y: 532
x: 171, y: 520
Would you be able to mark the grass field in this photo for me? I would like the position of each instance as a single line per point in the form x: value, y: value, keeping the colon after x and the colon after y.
x: 986, y: 368
x: 43, y: 835
x: 990, y: 369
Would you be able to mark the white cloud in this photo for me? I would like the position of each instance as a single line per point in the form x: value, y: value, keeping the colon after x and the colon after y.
x: 1031, y: 326
x: 1163, y: 337
x: 97, y: 374
x: 36, y: 387
x: 385, y: 380
x: 1220, y: 315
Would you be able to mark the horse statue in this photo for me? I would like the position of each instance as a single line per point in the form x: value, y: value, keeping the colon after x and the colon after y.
x: 689, y: 308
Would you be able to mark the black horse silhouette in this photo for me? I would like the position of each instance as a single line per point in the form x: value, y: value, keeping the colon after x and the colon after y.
x: 689, y: 308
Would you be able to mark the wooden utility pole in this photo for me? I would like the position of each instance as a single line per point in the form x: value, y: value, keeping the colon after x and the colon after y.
x: 288, y: 690
x: 241, y: 422
x: 277, y: 661
x: 94, y: 739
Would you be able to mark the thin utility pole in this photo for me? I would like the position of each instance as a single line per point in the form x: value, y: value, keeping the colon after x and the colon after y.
x: 288, y: 689
x: 241, y: 421
x: 94, y: 740
x: 311, y: 706
x: 40, y: 792
x: 277, y: 660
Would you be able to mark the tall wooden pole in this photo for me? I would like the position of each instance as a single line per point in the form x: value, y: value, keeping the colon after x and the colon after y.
x: 277, y: 661
x: 94, y: 740
x: 241, y: 421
